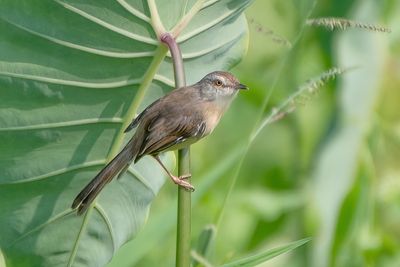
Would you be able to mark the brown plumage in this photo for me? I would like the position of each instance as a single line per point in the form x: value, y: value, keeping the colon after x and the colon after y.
x: 174, y: 121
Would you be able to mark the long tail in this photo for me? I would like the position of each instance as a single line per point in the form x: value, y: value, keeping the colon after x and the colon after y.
x: 90, y: 192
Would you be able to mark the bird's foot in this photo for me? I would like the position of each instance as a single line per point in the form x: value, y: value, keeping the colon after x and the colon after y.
x: 185, y: 177
x: 181, y: 182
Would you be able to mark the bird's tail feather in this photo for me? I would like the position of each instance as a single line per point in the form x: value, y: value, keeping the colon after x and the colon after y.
x: 90, y: 192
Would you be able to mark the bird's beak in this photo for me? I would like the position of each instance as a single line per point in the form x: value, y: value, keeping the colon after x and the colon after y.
x: 242, y: 86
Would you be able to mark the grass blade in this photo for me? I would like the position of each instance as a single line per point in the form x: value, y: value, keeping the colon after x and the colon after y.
x: 266, y: 255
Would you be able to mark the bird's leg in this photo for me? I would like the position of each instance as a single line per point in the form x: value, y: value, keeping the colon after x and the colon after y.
x: 177, y: 180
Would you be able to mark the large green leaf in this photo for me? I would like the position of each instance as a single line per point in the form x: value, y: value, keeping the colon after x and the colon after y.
x: 72, y: 75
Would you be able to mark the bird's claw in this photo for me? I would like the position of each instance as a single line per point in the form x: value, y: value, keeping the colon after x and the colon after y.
x: 181, y: 182
x: 185, y: 177
x: 188, y: 187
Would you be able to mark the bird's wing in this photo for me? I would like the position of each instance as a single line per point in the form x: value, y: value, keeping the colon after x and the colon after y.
x: 164, y: 132
x: 136, y: 121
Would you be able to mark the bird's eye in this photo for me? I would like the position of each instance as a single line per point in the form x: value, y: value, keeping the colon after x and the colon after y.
x: 218, y: 83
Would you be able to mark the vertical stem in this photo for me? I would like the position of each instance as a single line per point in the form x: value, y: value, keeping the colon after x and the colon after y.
x: 183, y: 237
x: 179, y: 71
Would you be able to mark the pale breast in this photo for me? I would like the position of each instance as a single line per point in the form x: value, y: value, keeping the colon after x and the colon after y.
x: 212, y: 115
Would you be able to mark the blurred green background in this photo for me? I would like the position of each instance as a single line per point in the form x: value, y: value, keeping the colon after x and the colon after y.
x: 328, y: 171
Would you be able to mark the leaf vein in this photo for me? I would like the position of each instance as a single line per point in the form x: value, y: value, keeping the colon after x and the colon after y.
x: 107, y: 221
x: 206, y: 26
x: 83, y: 48
x: 164, y: 79
x: 93, y: 85
x: 37, y: 228
x: 134, y: 11
x: 141, y: 179
x: 210, y: 49
x: 108, y: 25
x: 61, y: 124
x: 209, y: 3
x: 74, y: 249
x: 84, y: 165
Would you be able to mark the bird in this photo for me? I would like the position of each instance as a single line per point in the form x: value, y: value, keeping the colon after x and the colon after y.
x: 174, y: 121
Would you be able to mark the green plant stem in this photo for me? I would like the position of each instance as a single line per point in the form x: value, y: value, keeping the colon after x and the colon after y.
x: 183, y: 236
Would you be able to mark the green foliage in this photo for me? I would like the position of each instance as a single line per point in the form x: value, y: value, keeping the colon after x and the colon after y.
x: 72, y: 76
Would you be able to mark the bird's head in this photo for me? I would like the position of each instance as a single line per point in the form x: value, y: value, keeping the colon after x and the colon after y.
x: 220, y: 85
